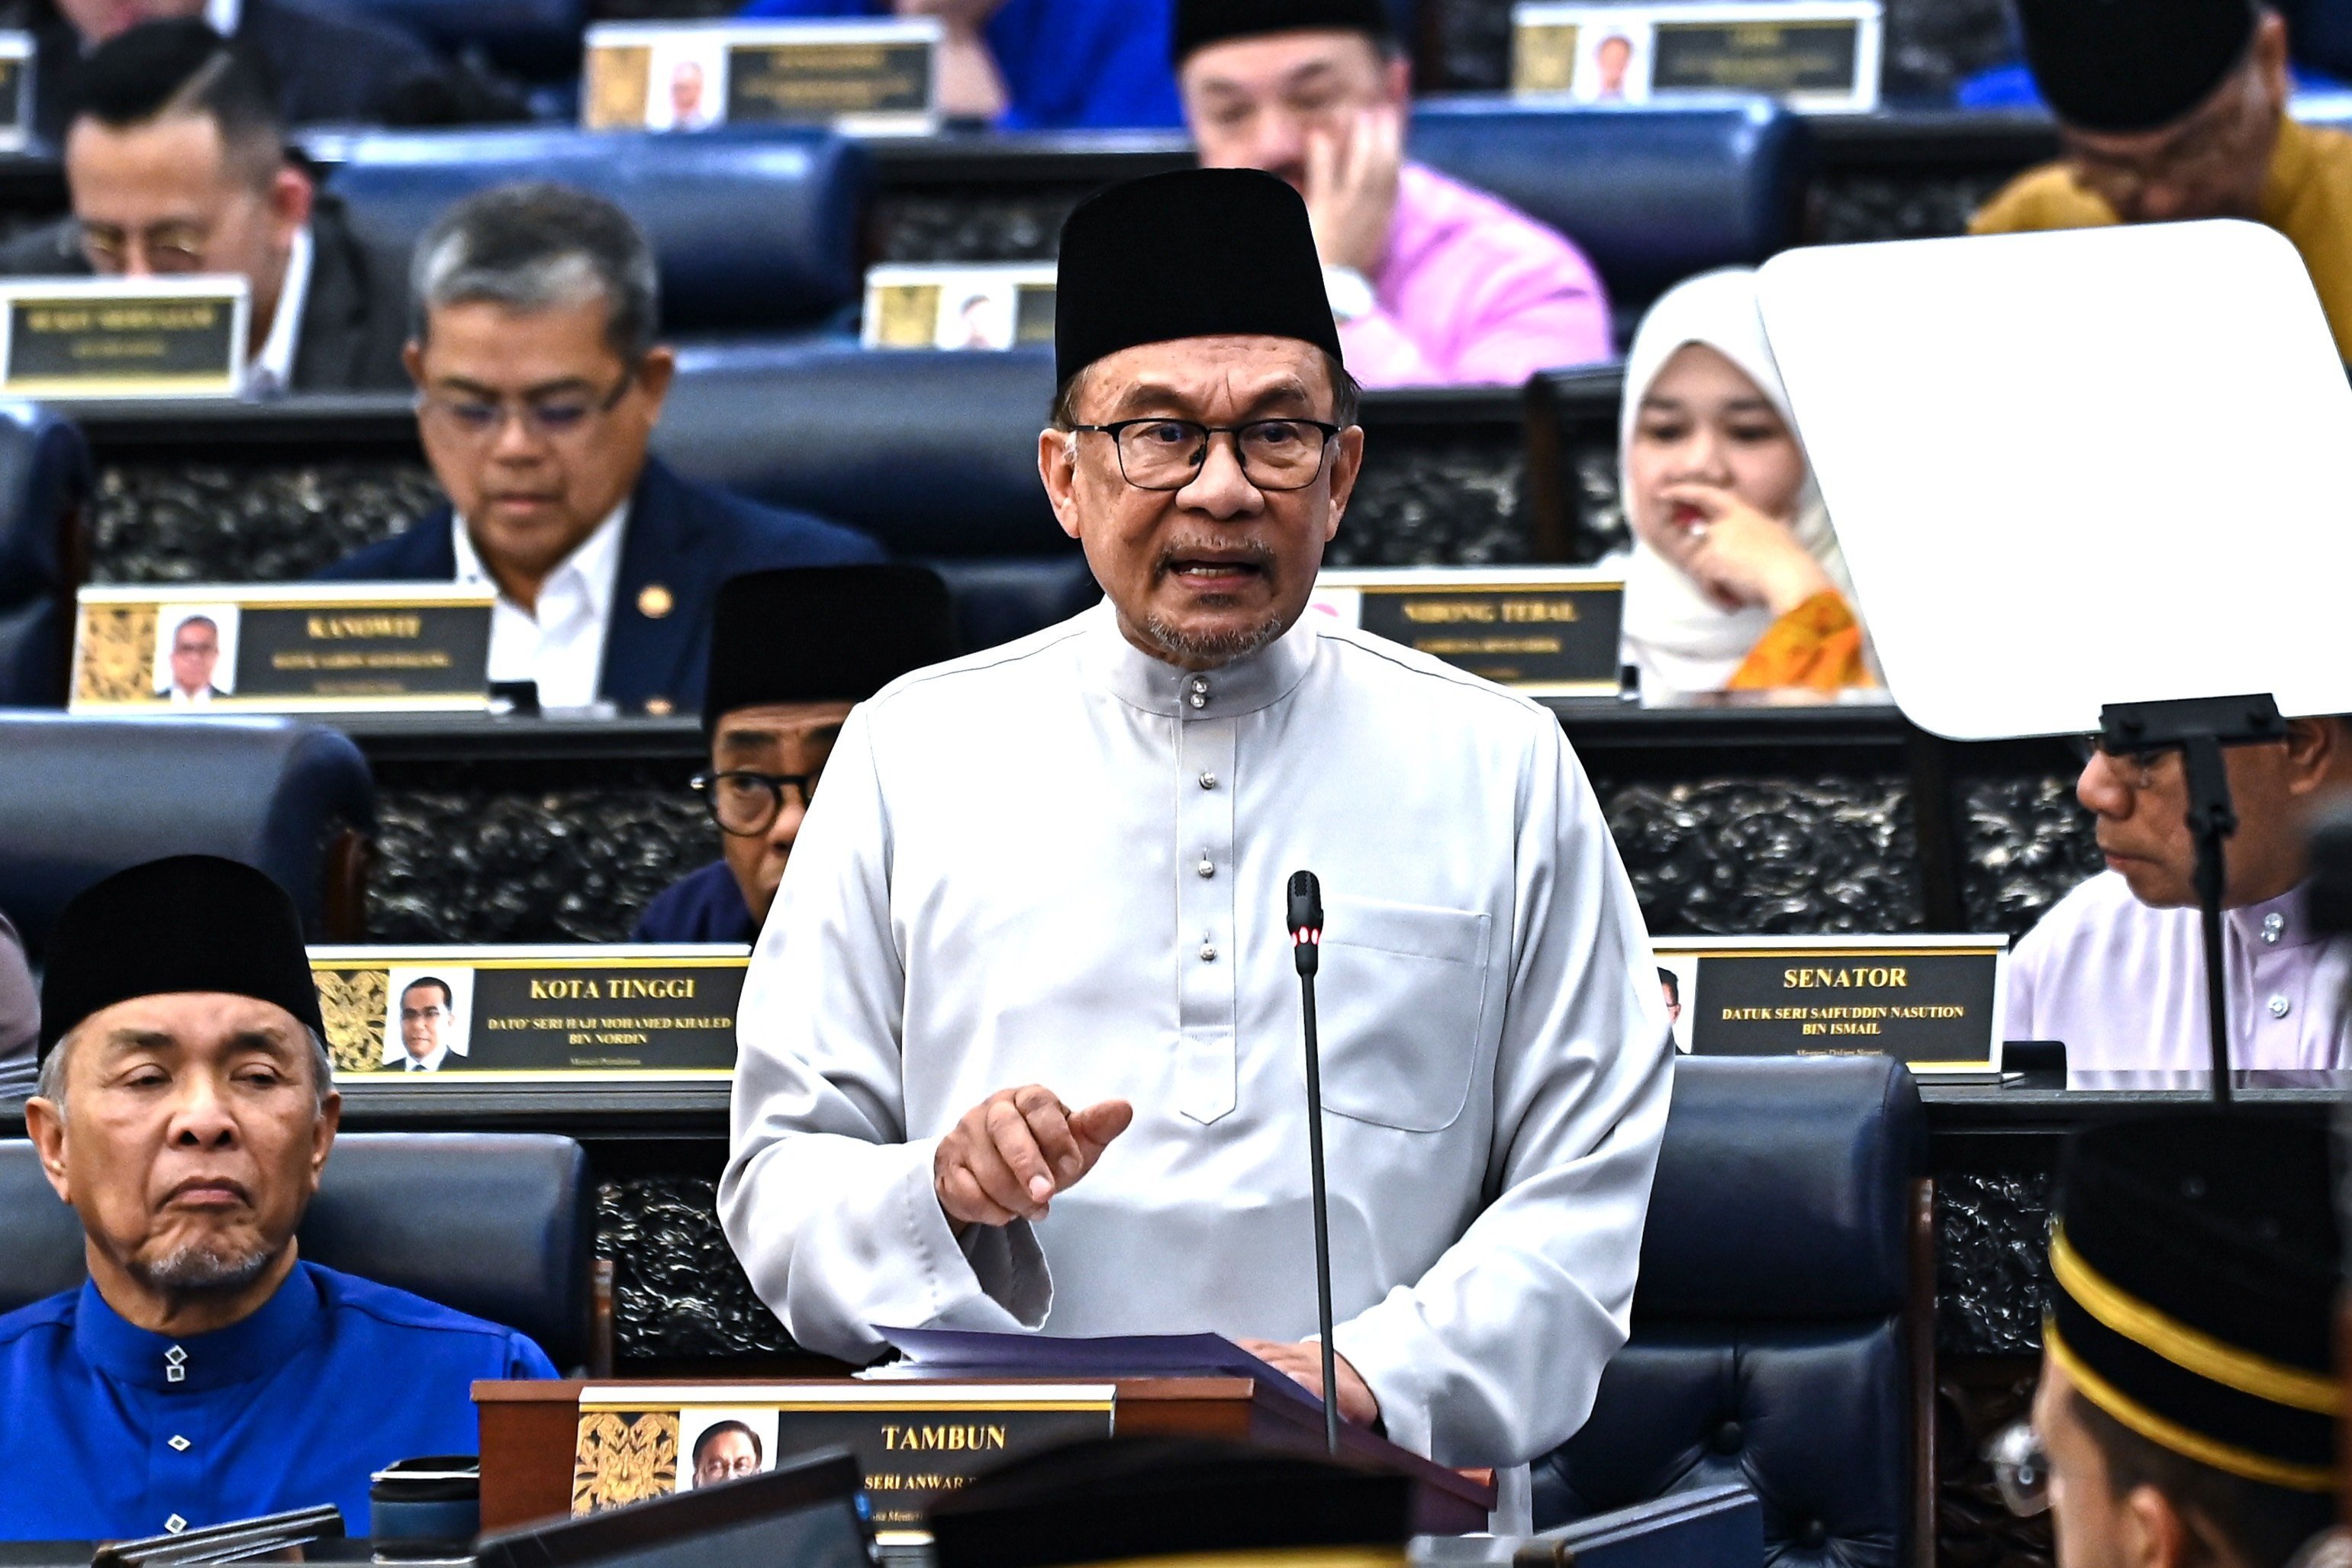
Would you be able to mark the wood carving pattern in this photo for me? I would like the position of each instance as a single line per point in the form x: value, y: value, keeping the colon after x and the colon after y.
x: 118, y: 654
x: 624, y: 1456
x: 352, y: 1002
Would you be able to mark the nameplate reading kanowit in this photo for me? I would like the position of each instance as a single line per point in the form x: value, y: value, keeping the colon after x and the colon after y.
x: 16, y: 52
x: 1548, y: 632
x: 1815, y: 55
x: 916, y: 1443
x: 410, y: 647
x: 123, y: 337
x: 945, y: 306
x: 1931, y: 1002
x: 867, y: 78
x: 590, y: 1014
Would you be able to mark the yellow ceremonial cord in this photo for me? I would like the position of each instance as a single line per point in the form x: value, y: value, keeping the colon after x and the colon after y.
x: 2186, y: 1347
x: 2226, y: 1457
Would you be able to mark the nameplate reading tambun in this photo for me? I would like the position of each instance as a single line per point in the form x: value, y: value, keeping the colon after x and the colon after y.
x: 876, y: 77
x: 123, y: 337
x: 946, y: 306
x: 1817, y: 55
x: 286, y: 648
x: 574, y: 1013
x: 1931, y: 1002
x: 16, y: 52
x: 915, y: 1445
x: 1543, y: 631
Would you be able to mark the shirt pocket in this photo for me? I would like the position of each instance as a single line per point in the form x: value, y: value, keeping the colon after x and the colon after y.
x: 1399, y: 1002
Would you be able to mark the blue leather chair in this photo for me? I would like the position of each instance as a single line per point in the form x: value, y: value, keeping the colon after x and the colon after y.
x: 755, y: 231
x: 1781, y: 1324
x: 44, y: 479
x: 933, y: 453
x: 1652, y: 195
x: 81, y: 798
x: 499, y: 1225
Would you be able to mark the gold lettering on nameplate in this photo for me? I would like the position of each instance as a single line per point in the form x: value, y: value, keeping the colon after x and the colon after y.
x: 949, y: 1437
x: 322, y: 626
x: 1845, y: 979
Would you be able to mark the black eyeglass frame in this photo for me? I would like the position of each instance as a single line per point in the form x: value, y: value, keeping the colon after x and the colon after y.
x: 1208, y: 434
x: 706, y: 784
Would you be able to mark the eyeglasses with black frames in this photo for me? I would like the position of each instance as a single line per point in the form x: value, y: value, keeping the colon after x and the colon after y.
x: 2136, y: 768
x: 549, y: 418
x: 1156, y: 453
x: 746, y: 803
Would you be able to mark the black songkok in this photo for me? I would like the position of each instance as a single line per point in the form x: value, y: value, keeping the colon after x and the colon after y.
x: 1107, y: 1500
x: 1194, y: 253
x: 1200, y: 23
x: 823, y: 633
x: 2194, y: 1270
x: 2120, y: 67
x: 192, y: 923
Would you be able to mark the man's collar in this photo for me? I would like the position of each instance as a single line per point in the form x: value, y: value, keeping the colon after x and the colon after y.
x: 1245, y: 685
x: 271, y: 373
x: 253, y: 1347
x: 2276, y: 924
x: 2290, y: 170
x: 596, y: 558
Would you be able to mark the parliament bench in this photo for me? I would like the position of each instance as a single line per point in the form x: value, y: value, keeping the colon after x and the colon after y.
x: 501, y: 1226
x: 81, y: 798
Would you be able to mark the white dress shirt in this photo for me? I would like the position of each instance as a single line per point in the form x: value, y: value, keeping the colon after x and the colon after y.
x: 561, y: 645
x: 1064, y: 861
x: 271, y: 373
x: 431, y: 1063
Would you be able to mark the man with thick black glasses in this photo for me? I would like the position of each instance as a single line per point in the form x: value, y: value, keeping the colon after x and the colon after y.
x: 791, y: 652
x: 1020, y: 1041
x: 539, y: 385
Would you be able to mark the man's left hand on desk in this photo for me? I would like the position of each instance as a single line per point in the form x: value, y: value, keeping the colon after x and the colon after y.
x: 1304, y: 1362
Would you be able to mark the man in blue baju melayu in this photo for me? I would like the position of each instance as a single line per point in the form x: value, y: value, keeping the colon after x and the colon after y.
x: 204, y: 1373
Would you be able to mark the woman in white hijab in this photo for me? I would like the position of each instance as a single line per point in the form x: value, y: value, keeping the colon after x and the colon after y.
x: 1736, y: 582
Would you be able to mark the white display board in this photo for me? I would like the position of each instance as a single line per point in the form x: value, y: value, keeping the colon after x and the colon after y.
x: 2076, y: 468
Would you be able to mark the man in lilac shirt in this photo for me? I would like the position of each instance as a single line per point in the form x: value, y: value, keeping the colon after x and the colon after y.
x: 1434, y: 284
x: 2117, y: 969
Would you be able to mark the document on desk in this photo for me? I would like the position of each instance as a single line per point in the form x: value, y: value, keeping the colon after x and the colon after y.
x: 958, y: 1353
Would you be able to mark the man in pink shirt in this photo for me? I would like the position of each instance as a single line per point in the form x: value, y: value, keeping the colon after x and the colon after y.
x: 1433, y: 283
x: 2117, y: 969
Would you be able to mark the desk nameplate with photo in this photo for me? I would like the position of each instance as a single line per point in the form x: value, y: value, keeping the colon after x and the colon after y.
x: 877, y: 77
x: 914, y: 1443
x: 628, y: 1012
x: 16, y: 55
x: 123, y: 337
x: 1932, y: 1003
x: 1821, y: 55
x: 946, y: 305
x: 244, y: 648
x: 1548, y: 632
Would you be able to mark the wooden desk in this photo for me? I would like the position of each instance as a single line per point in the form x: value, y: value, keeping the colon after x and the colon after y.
x: 527, y: 1432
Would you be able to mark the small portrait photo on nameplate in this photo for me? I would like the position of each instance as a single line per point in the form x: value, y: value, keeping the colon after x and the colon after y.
x: 105, y: 337
x: 688, y: 80
x: 571, y: 1013
x: 721, y: 1443
x: 1932, y: 1003
x: 1543, y: 631
x: 287, y: 648
x: 946, y: 306
x: 17, y: 51
x: 1821, y: 55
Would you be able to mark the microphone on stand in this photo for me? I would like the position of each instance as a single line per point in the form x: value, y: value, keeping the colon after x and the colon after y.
x: 1307, y: 950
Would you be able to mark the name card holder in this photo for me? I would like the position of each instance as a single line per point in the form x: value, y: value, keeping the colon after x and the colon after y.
x: 874, y: 78
x: 123, y: 337
x: 282, y: 648
x: 1548, y: 632
x: 16, y: 55
x: 1819, y: 56
x: 1932, y: 1003
x: 626, y: 1013
x: 945, y: 306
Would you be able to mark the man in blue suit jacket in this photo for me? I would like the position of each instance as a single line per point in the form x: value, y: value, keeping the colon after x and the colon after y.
x: 539, y: 387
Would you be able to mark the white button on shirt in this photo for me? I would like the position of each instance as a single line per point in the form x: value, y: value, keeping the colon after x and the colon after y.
x: 561, y: 644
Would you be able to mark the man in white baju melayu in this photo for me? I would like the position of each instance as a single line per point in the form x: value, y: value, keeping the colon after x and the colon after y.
x: 1052, y: 875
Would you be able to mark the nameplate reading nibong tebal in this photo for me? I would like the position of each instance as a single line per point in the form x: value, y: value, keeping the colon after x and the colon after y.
x: 124, y: 338
x: 288, y: 648
x: 16, y: 52
x: 1544, y: 631
x: 915, y: 1444
x: 531, y: 1014
x: 1932, y: 1002
x: 872, y: 78
x: 1817, y: 55
x: 951, y: 307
